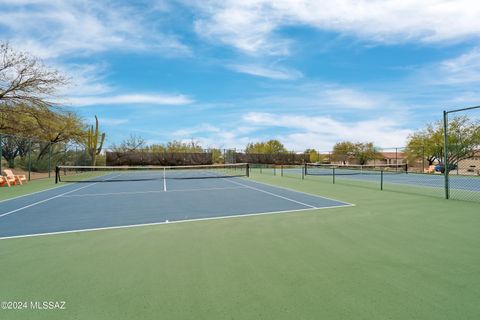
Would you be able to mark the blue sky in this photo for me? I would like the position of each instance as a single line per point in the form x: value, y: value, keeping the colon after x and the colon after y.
x: 225, y: 73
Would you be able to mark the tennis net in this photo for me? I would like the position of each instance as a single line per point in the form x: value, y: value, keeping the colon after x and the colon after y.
x: 354, y: 169
x: 145, y: 173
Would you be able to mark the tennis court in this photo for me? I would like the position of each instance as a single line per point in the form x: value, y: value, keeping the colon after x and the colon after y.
x: 390, y: 175
x: 125, y: 198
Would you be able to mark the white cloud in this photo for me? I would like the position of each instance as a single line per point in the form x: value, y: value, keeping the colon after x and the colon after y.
x: 112, y: 121
x: 84, y: 80
x: 317, y: 97
x: 239, y: 26
x: 265, y: 72
x: 50, y: 29
x: 189, y: 132
x: 296, y: 132
x: 87, y: 87
x: 323, y: 132
x: 252, y: 25
x: 211, y: 136
x: 131, y: 99
x: 61, y: 30
x: 462, y: 69
x: 351, y: 98
x: 449, y: 83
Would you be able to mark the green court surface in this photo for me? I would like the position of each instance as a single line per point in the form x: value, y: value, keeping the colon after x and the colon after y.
x: 391, y: 256
x: 26, y: 188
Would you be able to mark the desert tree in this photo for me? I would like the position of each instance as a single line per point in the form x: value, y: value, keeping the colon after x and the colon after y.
x: 24, y: 79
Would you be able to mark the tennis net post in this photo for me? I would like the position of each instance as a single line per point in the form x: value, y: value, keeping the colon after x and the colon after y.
x: 381, y: 179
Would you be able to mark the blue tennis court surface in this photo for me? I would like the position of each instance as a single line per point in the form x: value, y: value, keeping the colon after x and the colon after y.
x: 457, y: 182
x: 126, y: 202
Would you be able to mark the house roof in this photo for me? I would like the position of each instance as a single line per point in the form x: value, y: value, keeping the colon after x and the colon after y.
x: 393, y: 155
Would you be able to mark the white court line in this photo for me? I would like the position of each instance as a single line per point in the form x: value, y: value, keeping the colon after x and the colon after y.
x: 146, y: 192
x: 171, y: 222
x: 272, y: 194
x: 164, y: 181
x: 51, y: 198
x: 29, y: 194
x: 293, y: 190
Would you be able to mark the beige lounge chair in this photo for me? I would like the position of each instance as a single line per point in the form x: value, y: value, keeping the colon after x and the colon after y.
x: 4, y: 181
x: 9, y: 181
x: 8, y: 174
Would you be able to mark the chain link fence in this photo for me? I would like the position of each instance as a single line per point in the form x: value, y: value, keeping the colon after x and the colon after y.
x: 461, y: 164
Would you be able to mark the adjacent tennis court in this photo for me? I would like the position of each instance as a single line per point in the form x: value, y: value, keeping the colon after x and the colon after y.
x: 393, y: 177
x: 123, y: 197
x: 394, y: 174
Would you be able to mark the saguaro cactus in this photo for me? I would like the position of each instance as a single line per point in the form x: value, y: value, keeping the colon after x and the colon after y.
x: 94, y: 141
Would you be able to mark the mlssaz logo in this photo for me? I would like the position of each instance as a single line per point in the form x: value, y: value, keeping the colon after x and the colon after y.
x: 48, y: 305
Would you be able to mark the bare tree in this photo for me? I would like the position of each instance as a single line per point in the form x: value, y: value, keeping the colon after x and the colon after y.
x: 25, y: 79
x: 130, y: 144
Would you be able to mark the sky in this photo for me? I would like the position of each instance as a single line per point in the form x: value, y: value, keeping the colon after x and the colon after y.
x: 225, y: 73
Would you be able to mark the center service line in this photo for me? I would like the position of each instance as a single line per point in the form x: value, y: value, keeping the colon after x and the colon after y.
x: 164, y: 181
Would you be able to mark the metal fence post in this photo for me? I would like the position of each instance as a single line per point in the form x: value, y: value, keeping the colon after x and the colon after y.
x: 77, y: 159
x: 29, y: 159
x: 333, y: 174
x: 423, y: 159
x: 49, y: 159
x: 445, y: 150
x: 65, y: 155
x: 396, y: 159
x: 381, y: 179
